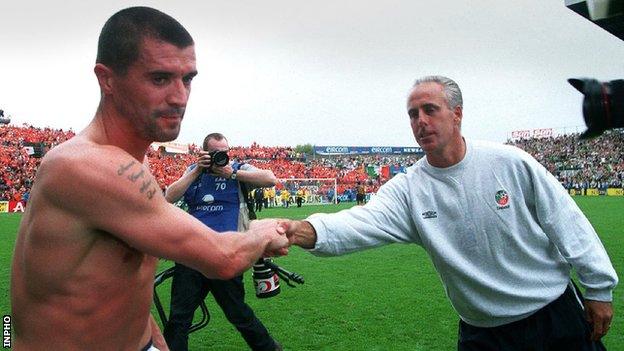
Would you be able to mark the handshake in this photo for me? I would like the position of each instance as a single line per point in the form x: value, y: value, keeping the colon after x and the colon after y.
x: 282, y: 233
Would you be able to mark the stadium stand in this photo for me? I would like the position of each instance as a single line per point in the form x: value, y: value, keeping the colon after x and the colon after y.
x: 578, y: 164
x: 19, y: 147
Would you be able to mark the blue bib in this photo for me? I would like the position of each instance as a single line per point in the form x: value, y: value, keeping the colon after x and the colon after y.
x: 214, y: 201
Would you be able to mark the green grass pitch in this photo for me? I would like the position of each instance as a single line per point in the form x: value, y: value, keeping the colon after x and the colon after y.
x: 388, y: 298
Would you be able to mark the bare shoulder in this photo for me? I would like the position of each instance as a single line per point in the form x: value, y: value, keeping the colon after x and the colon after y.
x: 80, y: 175
x: 95, y: 183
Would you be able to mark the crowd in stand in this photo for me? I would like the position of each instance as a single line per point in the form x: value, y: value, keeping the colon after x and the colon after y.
x: 581, y: 164
x: 18, y: 166
x: 257, y: 152
x: 595, y: 163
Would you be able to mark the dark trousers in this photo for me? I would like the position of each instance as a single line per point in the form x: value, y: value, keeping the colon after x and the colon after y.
x: 559, y: 326
x: 258, y: 205
x: 190, y: 287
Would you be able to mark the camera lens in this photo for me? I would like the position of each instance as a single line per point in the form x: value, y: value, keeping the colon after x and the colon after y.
x: 603, y: 105
x: 219, y: 158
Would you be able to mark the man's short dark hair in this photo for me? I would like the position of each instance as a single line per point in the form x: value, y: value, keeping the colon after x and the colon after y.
x: 215, y: 136
x: 123, y: 33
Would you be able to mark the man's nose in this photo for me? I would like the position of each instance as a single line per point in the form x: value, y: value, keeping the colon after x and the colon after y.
x: 178, y: 94
x: 423, y: 119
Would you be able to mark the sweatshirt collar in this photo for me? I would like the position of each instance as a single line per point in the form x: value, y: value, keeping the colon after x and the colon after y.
x: 458, y: 167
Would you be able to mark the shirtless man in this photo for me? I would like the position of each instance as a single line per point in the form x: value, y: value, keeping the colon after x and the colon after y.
x: 85, y: 257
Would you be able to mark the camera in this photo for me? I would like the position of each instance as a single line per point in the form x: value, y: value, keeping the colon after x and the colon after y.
x: 603, y: 105
x: 219, y: 158
x: 267, y: 276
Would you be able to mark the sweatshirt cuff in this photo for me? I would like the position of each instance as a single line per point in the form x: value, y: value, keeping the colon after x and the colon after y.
x: 599, y: 295
x: 319, y: 228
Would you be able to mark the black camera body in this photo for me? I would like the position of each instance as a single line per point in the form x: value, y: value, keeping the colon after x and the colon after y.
x: 267, y: 276
x: 219, y: 158
x: 603, y: 105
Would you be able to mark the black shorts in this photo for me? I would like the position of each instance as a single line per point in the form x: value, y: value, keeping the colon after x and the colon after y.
x: 560, y: 325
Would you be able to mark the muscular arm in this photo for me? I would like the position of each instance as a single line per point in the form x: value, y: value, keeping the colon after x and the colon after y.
x: 120, y: 197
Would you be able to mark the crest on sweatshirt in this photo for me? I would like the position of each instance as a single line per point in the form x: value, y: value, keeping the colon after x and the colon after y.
x: 502, y: 199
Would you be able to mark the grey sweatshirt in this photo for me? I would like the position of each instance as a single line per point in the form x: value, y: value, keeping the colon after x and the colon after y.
x: 501, y: 231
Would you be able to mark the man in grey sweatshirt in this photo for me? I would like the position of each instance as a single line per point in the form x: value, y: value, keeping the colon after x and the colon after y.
x: 501, y: 231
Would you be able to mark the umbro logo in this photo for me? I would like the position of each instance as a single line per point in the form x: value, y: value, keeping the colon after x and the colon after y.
x: 429, y: 214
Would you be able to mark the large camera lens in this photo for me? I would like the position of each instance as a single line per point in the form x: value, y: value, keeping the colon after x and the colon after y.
x: 266, y: 281
x: 219, y: 158
x: 603, y: 105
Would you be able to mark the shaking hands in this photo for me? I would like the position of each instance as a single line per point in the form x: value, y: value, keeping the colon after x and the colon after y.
x: 275, y: 232
x: 283, y: 233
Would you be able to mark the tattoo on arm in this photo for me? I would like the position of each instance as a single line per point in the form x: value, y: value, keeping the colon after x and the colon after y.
x: 133, y: 177
x: 145, y: 185
x: 122, y: 169
x: 150, y: 193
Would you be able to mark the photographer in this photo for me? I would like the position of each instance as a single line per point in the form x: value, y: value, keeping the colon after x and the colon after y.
x: 212, y: 190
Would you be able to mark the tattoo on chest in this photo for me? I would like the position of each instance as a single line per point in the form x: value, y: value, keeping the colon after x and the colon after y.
x: 134, y: 174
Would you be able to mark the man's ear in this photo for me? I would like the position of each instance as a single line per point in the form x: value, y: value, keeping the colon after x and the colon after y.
x: 458, y: 112
x: 105, y: 77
